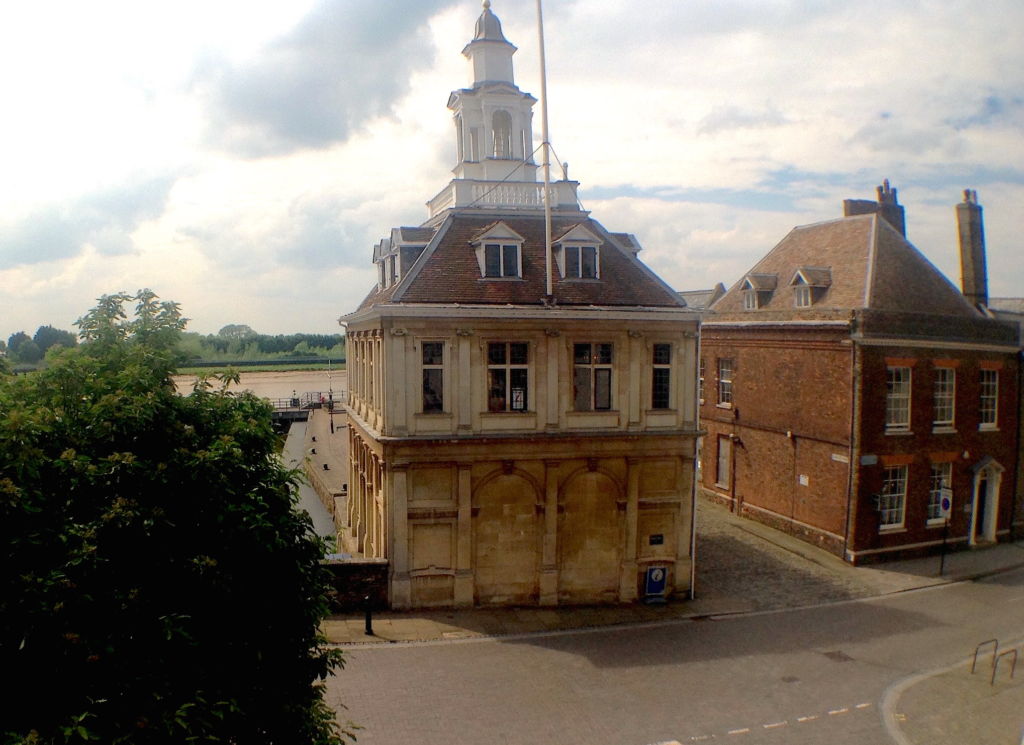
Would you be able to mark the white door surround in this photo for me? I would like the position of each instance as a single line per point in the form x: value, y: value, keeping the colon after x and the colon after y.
x: 988, y: 475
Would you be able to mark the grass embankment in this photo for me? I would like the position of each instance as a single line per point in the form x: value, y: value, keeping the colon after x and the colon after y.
x: 261, y: 368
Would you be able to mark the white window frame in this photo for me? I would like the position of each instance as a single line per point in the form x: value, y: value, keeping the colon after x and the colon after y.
x: 700, y: 379
x: 727, y: 484
x: 507, y: 368
x: 942, y: 483
x: 750, y: 300
x: 502, y: 247
x: 667, y: 367
x: 577, y: 249
x: 892, y: 502
x: 944, y: 419
x: 802, y: 297
x: 594, y: 366
x: 424, y: 367
x: 988, y: 405
x: 725, y: 373
x: 899, y: 389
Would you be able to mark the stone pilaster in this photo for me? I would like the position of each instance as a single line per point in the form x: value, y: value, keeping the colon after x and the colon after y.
x: 549, y: 550
x: 401, y: 589
x: 627, y: 579
x: 464, y: 589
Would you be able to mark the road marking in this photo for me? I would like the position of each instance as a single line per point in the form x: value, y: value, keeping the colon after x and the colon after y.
x: 702, y: 737
x: 775, y: 724
x: 835, y: 712
x: 743, y: 731
x: 807, y: 719
x: 862, y: 706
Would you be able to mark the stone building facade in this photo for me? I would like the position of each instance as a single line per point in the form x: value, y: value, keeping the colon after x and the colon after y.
x: 508, y: 446
x: 847, y: 387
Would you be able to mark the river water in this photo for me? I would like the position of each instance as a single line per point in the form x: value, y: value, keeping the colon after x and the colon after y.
x: 278, y: 384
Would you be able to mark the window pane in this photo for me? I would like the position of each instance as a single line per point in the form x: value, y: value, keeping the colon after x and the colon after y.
x: 432, y: 352
x: 602, y: 389
x: 581, y: 388
x: 496, y: 400
x: 518, y: 353
x: 662, y: 354
x: 492, y: 261
x: 660, y: 388
x: 511, y: 265
x: 897, y: 401
x: 581, y: 354
x: 589, y: 261
x: 433, y: 390
x: 518, y: 400
x: 496, y: 354
x: 604, y: 354
x: 572, y: 262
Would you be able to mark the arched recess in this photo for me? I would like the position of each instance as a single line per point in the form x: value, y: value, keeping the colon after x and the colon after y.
x: 501, y: 123
x: 507, y: 539
x: 589, y: 538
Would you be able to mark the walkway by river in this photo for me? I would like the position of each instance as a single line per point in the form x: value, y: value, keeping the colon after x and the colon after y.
x: 278, y: 384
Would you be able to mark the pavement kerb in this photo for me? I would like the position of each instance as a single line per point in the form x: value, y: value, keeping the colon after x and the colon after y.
x: 892, y: 695
x: 474, y: 637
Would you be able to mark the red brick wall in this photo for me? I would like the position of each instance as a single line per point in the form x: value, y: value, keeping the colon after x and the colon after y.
x: 1002, y: 445
x: 791, y: 412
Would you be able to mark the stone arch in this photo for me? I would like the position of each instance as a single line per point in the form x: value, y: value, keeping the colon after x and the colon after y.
x: 501, y: 128
x: 590, y: 537
x: 507, y: 539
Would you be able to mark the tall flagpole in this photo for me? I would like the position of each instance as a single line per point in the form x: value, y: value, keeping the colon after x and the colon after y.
x: 547, y: 148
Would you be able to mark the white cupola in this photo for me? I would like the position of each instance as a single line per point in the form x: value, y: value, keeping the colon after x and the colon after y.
x: 493, y: 118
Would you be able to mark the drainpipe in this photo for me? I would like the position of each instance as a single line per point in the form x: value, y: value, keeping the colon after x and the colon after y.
x: 854, y: 465
x: 693, y: 495
x: 1017, y: 475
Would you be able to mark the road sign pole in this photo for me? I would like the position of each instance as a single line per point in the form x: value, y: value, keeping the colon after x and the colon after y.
x: 945, y: 535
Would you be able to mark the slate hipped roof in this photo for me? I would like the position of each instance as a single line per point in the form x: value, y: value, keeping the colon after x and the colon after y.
x: 870, y: 266
x: 448, y: 271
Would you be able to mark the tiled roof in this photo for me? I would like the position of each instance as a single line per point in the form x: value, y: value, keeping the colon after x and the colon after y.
x: 416, y: 235
x: 1009, y: 304
x: 871, y: 265
x: 762, y: 281
x: 448, y: 270
x: 701, y: 299
x: 815, y: 276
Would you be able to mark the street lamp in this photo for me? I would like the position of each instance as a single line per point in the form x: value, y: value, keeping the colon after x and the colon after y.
x: 330, y: 394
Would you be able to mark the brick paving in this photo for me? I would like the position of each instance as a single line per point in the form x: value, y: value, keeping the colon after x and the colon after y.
x: 956, y: 707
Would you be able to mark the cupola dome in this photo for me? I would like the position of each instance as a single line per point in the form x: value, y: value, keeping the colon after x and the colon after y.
x: 488, y: 27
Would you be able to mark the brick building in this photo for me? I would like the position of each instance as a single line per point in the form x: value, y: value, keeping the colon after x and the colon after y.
x: 847, y: 387
x: 510, y: 443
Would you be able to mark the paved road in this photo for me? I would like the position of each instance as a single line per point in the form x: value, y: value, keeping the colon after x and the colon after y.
x: 807, y: 676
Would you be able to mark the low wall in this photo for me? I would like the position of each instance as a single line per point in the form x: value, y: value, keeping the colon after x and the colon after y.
x: 354, y: 579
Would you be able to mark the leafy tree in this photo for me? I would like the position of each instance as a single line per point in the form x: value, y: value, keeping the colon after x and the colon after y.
x: 156, y: 582
x: 15, y: 341
x: 236, y: 331
x: 29, y: 352
x: 47, y: 336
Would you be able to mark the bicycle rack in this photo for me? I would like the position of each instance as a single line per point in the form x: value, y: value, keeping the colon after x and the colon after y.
x: 995, y: 652
x: 995, y: 665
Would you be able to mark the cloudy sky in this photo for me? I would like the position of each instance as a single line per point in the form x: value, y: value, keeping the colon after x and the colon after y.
x: 242, y: 158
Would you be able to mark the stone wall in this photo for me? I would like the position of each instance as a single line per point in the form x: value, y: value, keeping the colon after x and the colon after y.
x: 354, y: 580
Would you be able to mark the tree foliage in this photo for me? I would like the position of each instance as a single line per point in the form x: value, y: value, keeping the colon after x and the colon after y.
x: 47, y: 336
x: 29, y: 352
x: 236, y: 331
x: 15, y: 341
x: 156, y: 584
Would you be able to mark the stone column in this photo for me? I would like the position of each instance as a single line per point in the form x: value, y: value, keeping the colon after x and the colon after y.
x: 401, y: 590
x: 465, y: 382
x: 685, y: 379
x: 464, y: 589
x: 627, y: 579
x: 549, y: 551
x: 637, y: 353
x: 552, y: 382
x: 396, y: 420
x: 684, y: 487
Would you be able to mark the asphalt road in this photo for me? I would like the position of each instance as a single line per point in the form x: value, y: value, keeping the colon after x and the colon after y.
x: 816, y: 675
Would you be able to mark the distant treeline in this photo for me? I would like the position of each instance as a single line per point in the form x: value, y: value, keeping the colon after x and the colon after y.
x: 240, y: 343
x: 232, y: 344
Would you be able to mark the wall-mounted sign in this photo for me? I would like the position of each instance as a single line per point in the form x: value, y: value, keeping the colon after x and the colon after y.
x: 805, y: 480
x: 656, y: 540
x: 655, y: 581
x: 868, y: 460
x: 840, y: 458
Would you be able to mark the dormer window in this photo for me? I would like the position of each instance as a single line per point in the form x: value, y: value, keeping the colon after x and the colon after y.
x: 499, y: 252
x: 392, y: 270
x: 809, y: 284
x: 758, y: 290
x: 501, y: 260
x: 578, y: 254
x: 802, y: 296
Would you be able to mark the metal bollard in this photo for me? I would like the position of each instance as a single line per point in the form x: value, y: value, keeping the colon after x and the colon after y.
x: 369, y: 616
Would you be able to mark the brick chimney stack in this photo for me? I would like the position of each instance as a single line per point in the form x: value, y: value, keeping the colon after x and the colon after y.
x: 886, y: 206
x: 974, y: 276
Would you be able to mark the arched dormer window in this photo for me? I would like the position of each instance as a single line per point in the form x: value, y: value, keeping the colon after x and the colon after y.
x: 501, y: 124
